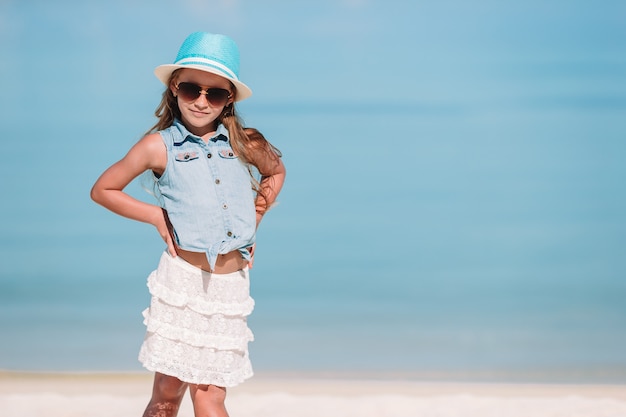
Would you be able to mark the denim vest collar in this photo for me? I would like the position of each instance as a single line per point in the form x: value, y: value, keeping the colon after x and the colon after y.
x: 221, y: 133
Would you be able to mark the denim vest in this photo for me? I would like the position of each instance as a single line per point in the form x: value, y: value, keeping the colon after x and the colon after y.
x: 207, y: 193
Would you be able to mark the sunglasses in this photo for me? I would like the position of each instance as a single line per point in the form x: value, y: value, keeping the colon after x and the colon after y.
x: 217, y: 97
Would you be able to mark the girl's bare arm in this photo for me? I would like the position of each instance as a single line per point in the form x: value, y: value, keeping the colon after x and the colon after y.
x: 148, y: 154
x: 273, y: 174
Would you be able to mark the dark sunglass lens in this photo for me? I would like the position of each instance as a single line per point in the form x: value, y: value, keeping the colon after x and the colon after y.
x: 217, y: 96
x: 189, y: 91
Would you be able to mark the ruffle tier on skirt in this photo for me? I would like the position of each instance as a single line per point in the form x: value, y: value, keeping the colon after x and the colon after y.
x: 197, y: 325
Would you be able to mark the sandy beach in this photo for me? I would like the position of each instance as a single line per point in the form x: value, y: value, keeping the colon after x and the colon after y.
x: 113, y: 394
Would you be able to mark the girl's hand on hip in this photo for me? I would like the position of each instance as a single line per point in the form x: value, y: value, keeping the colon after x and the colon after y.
x: 166, y: 230
x: 251, y: 250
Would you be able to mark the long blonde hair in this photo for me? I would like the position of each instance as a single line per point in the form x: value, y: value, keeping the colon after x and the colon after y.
x: 245, y: 141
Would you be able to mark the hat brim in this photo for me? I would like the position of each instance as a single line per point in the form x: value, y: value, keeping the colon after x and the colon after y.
x: 164, y: 72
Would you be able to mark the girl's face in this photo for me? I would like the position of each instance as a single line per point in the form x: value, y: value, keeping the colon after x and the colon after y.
x: 201, y: 98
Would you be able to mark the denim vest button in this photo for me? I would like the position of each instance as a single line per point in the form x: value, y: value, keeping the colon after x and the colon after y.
x: 229, y: 234
x: 209, y: 155
x: 217, y: 181
x: 225, y: 206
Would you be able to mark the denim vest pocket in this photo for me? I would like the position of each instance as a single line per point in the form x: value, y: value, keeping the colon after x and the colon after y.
x: 186, y: 156
x: 227, y: 153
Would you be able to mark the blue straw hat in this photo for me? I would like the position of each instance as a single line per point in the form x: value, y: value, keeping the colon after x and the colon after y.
x: 217, y: 54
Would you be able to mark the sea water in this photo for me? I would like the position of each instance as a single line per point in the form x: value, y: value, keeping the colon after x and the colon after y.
x: 459, y: 240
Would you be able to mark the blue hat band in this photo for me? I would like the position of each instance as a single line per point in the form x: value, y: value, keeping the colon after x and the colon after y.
x: 209, y: 63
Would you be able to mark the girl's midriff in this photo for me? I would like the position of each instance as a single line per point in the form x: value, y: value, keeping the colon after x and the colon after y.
x: 227, y: 263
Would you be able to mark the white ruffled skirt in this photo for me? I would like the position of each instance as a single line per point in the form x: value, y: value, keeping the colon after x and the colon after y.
x: 197, y: 327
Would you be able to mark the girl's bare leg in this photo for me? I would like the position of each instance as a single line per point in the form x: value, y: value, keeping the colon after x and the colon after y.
x: 208, y: 400
x: 167, y: 393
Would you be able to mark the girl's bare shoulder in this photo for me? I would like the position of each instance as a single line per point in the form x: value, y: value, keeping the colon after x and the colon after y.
x: 149, y: 152
x: 150, y: 144
x: 152, y: 140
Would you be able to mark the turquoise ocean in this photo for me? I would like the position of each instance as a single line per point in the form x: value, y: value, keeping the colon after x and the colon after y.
x: 474, y: 229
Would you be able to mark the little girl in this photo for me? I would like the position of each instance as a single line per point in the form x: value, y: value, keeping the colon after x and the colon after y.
x: 202, y: 161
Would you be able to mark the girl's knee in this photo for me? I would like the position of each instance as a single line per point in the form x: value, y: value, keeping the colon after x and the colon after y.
x: 210, y: 390
x: 168, y: 387
x: 208, y: 394
x: 167, y: 394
